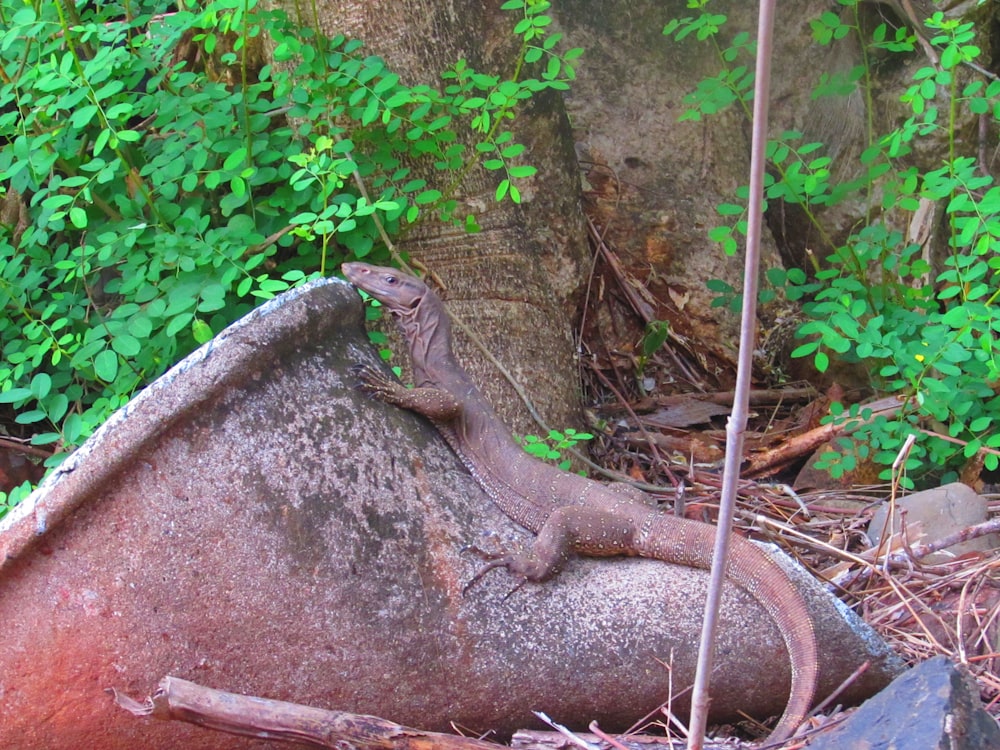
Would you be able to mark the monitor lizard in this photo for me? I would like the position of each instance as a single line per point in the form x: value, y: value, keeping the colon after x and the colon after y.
x: 568, y: 513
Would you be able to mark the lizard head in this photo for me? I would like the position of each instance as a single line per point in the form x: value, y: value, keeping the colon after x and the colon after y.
x: 398, y: 291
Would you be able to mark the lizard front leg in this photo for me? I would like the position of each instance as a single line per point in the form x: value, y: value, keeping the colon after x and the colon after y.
x: 435, y: 404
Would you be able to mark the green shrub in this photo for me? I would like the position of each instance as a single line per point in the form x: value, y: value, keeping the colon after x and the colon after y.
x: 159, y: 178
x: 925, y: 335
x: 551, y: 447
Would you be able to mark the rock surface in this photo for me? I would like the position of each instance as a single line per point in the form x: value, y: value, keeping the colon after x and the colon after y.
x: 251, y: 522
x: 934, y: 514
x: 933, y: 706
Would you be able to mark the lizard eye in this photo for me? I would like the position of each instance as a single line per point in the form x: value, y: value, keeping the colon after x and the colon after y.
x: 391, y: 280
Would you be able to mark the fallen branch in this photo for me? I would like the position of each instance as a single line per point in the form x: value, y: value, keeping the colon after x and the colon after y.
x: 180, y: 700
x: 543, y: 740
x: 808, y: 442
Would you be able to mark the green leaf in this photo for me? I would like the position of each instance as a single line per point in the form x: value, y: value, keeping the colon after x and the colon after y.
x: 805, y: 350
x: 30, y: 417
x: 119, y: 111
x: 201, y: 331
x: 512, y: 151
x: 56, y: 406
x: 387, y: 82
x: 522, y: 171
x: 78, y: 217
x: 126, y: 345
x: 235, y: 160
x: 82, y: 116
x: 106, y: 366
x: 99, y: 143
x: 980, y: 424
x: 427, y: 196
x: 370, y: 113
x: 15, y: 395
x: 41, y: 385
x: 502, y: 189
x: 178, y: 323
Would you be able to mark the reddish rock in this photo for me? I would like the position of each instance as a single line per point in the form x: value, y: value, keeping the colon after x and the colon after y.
x: 252, y: 523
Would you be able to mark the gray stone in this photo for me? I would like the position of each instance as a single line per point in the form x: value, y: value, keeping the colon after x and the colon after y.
x: 253, y: 523
x: 934, y: 706
x: 936, y: 513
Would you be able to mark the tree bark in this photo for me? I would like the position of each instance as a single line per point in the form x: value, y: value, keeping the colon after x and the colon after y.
x: 514, y: 282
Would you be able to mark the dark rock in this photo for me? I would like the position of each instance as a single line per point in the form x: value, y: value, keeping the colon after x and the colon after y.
x: 934, y: 706
x: 16, y: 468
x: 253, y: 523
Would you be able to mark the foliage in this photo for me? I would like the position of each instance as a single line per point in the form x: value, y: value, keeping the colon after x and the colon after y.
x: 158, y: 179
x: 9, y: 499
x: 550, y: 448
x: 925, y: 334
x: 653, y: 338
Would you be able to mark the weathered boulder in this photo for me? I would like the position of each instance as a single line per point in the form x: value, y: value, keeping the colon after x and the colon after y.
x: 933, y: 706
x: 934, y: 514
x: 251, y: 522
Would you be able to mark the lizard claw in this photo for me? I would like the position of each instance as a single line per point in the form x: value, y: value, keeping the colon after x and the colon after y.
x: 371, y: 380
x: 498, y: 563
x: 495, y: 561
x: 479, y: 551
x: 521, y: 580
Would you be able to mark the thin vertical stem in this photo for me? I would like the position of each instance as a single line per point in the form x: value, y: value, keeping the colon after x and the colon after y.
x: 736, y: 426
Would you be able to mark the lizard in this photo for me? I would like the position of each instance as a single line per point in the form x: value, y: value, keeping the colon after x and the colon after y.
x: 567, y: 512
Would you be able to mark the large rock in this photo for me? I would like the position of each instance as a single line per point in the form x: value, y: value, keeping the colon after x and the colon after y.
x: 251, y: 522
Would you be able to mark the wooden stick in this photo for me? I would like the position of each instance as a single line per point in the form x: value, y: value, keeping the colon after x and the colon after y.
x: 180, y: 700
x: 808, y: 442
x: 21, y: 447
x: 736, y: 426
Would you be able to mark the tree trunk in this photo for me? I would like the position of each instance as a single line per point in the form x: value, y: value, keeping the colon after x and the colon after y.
x: 652, y: 183
x: 515, y: 281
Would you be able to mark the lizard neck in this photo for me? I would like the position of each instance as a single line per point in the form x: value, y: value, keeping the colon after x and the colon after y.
x: 427, y: 329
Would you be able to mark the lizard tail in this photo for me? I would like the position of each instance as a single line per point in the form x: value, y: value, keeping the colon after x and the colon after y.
x: 690, y: 543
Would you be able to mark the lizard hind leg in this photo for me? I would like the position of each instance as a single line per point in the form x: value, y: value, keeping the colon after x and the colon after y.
x: 541, y: 561
x: 592, y: 530
x: 495, y: 560
x: 548, y: 552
